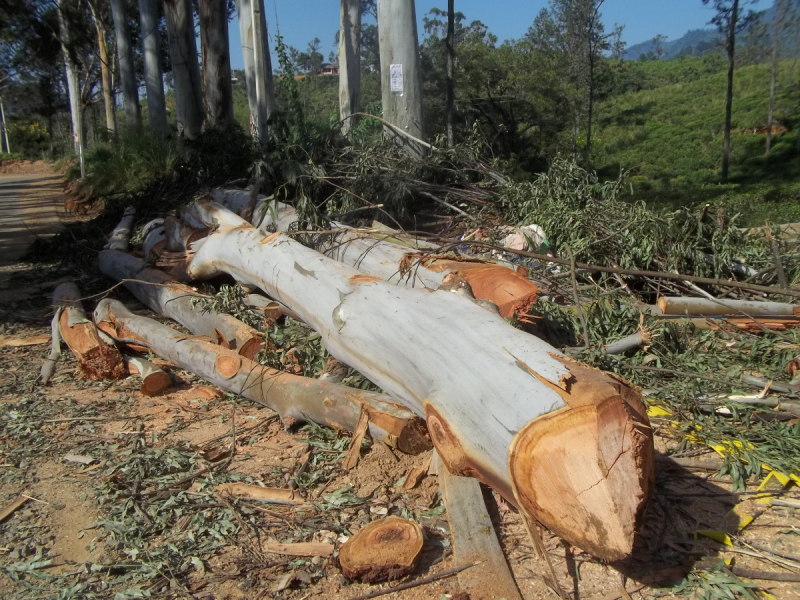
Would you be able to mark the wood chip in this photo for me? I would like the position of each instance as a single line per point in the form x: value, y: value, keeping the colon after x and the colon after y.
x: 255, y: 492
x: 354, y: 452
x: 416, y: 474
x: 322, y: 549
x: 35, y: 340
x: 9, y: 509
x: 83, y: 459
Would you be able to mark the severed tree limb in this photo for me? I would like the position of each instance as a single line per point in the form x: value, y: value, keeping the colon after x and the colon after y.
x: 49, y: 366
x: 294, y: 398
x: 98, y: 357
x: 121, y: 237
x: 501, y: 405
x: 154, y: 380
x: 271, y: 308
x: 176, y: 301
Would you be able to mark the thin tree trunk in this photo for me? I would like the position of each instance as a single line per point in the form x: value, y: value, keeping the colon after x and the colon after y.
x: 245, y: 13
x: 151, y: 48
x: 73, y: 88
x: 105, y: 70
x: 216, y: 62
x: 776, y: 46
x: 349, y: 63
x: 265, y: 88
x: 401, y: 79
x: 731, y: 46
x: 185, y: 67
x: 451, y: 59
x: 127, y: 71
x: 588, y: 149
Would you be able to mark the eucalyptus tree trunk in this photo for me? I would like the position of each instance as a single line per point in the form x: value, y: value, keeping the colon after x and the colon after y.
x: 349, y: 63
x: 451, y: 59
x: 730, y: 46
x: 127, y: 71
x: 245, y: 12
x: 106, y: 67
x: 401, y: 80
x: 216, y: 62
x: 151, y: 48
x: 73, y: 88
x: 776, y: 47
x: 185, y: 68
x: 265, y: 88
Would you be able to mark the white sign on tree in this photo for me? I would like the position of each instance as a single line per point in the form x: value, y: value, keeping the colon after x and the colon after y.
x: 396, y: 76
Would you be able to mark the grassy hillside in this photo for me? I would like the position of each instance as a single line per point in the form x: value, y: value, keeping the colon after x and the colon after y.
x: 671, y: 137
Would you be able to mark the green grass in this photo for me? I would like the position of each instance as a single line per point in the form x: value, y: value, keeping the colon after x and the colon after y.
x: 671, y: 137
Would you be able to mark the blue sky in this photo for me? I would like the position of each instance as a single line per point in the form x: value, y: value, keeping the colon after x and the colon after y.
x: 302, y: 20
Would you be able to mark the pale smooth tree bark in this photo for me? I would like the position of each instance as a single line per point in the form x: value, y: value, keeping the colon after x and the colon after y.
x: 154, y: 83
x: 216, y: 62
x: 265, y: 87
x: 73, y: 88
x: 730, y: 46
x: 185, y: 67
x: 349, y: 63
x: 245, y: 13
x: 401, y: 76
x: 106, y: 67
x: 568, y: 444
x: 450, y: 44
x: 127, y: 71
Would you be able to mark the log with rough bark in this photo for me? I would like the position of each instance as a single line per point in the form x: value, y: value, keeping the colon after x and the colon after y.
x: 162, y: 295
x: 570, y: 444
x: 677, y: 305
x: 97, y: 355
x: 384, y: 550
x: 374, y: 255
x: 293, y: 397
x: 154, y: 380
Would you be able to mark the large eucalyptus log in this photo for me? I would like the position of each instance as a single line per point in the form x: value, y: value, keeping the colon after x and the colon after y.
x: 371, y: 254
x: 569, y: 444
x: 98, y: 357
x: 294, y: 398
x: 162, y: 295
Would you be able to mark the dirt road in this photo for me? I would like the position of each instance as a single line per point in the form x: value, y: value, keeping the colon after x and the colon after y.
x: 29, y: 206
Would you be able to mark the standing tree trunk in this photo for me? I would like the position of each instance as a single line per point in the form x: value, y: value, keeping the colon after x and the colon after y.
x: 216, y: 62
x: 73, y: 89
x: 776, y: 47
x: 730, y: 46
x: 349, y: 63
x: 245, y: 13
x: 151, y: 48
x: 127, y: 71
x: 451, y: 59
x: 265, y: 88
x: 185, y: 68
x: 401, y: 79
x: 106, y: 67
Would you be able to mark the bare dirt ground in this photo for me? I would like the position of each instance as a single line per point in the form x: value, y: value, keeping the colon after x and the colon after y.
x: 122, y: 499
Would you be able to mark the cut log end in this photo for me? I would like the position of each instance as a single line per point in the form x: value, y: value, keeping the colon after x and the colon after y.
x: 382, y: 551
x: 252, y: 347
x: 227, y: 366
x: 586, y: 472
x: 155, y: 383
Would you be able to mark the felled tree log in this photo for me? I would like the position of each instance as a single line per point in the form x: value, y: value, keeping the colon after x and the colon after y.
x: 294, y: 398
x: 501, y: 405
x: 272, y: 310
x: 154, y: 238
x: 179, y: 236
x: 677, y: 305
x: 384, y: 550
x: 98, y: 357
x: 154, y: 380
x: 162, y: 295
x: 374, y: 255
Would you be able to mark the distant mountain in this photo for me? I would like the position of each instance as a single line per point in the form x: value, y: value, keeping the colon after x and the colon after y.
x: 696, y: 41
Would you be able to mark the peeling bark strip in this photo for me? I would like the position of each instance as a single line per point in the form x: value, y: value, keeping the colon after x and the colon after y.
x: 483, y: 385
x: 174, y: 300
x: 98, y: 357
x: 294, y: 398
x: 373, y: 255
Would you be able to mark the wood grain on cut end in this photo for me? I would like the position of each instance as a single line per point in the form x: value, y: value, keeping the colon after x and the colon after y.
x: 251, y: 348
x: 155, y: 383
x: 383, y: 550
x: 227, y: 365
x: 587, y: 471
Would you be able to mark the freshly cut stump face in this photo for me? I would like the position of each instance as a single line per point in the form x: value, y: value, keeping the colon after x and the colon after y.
x: 383, y: 550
